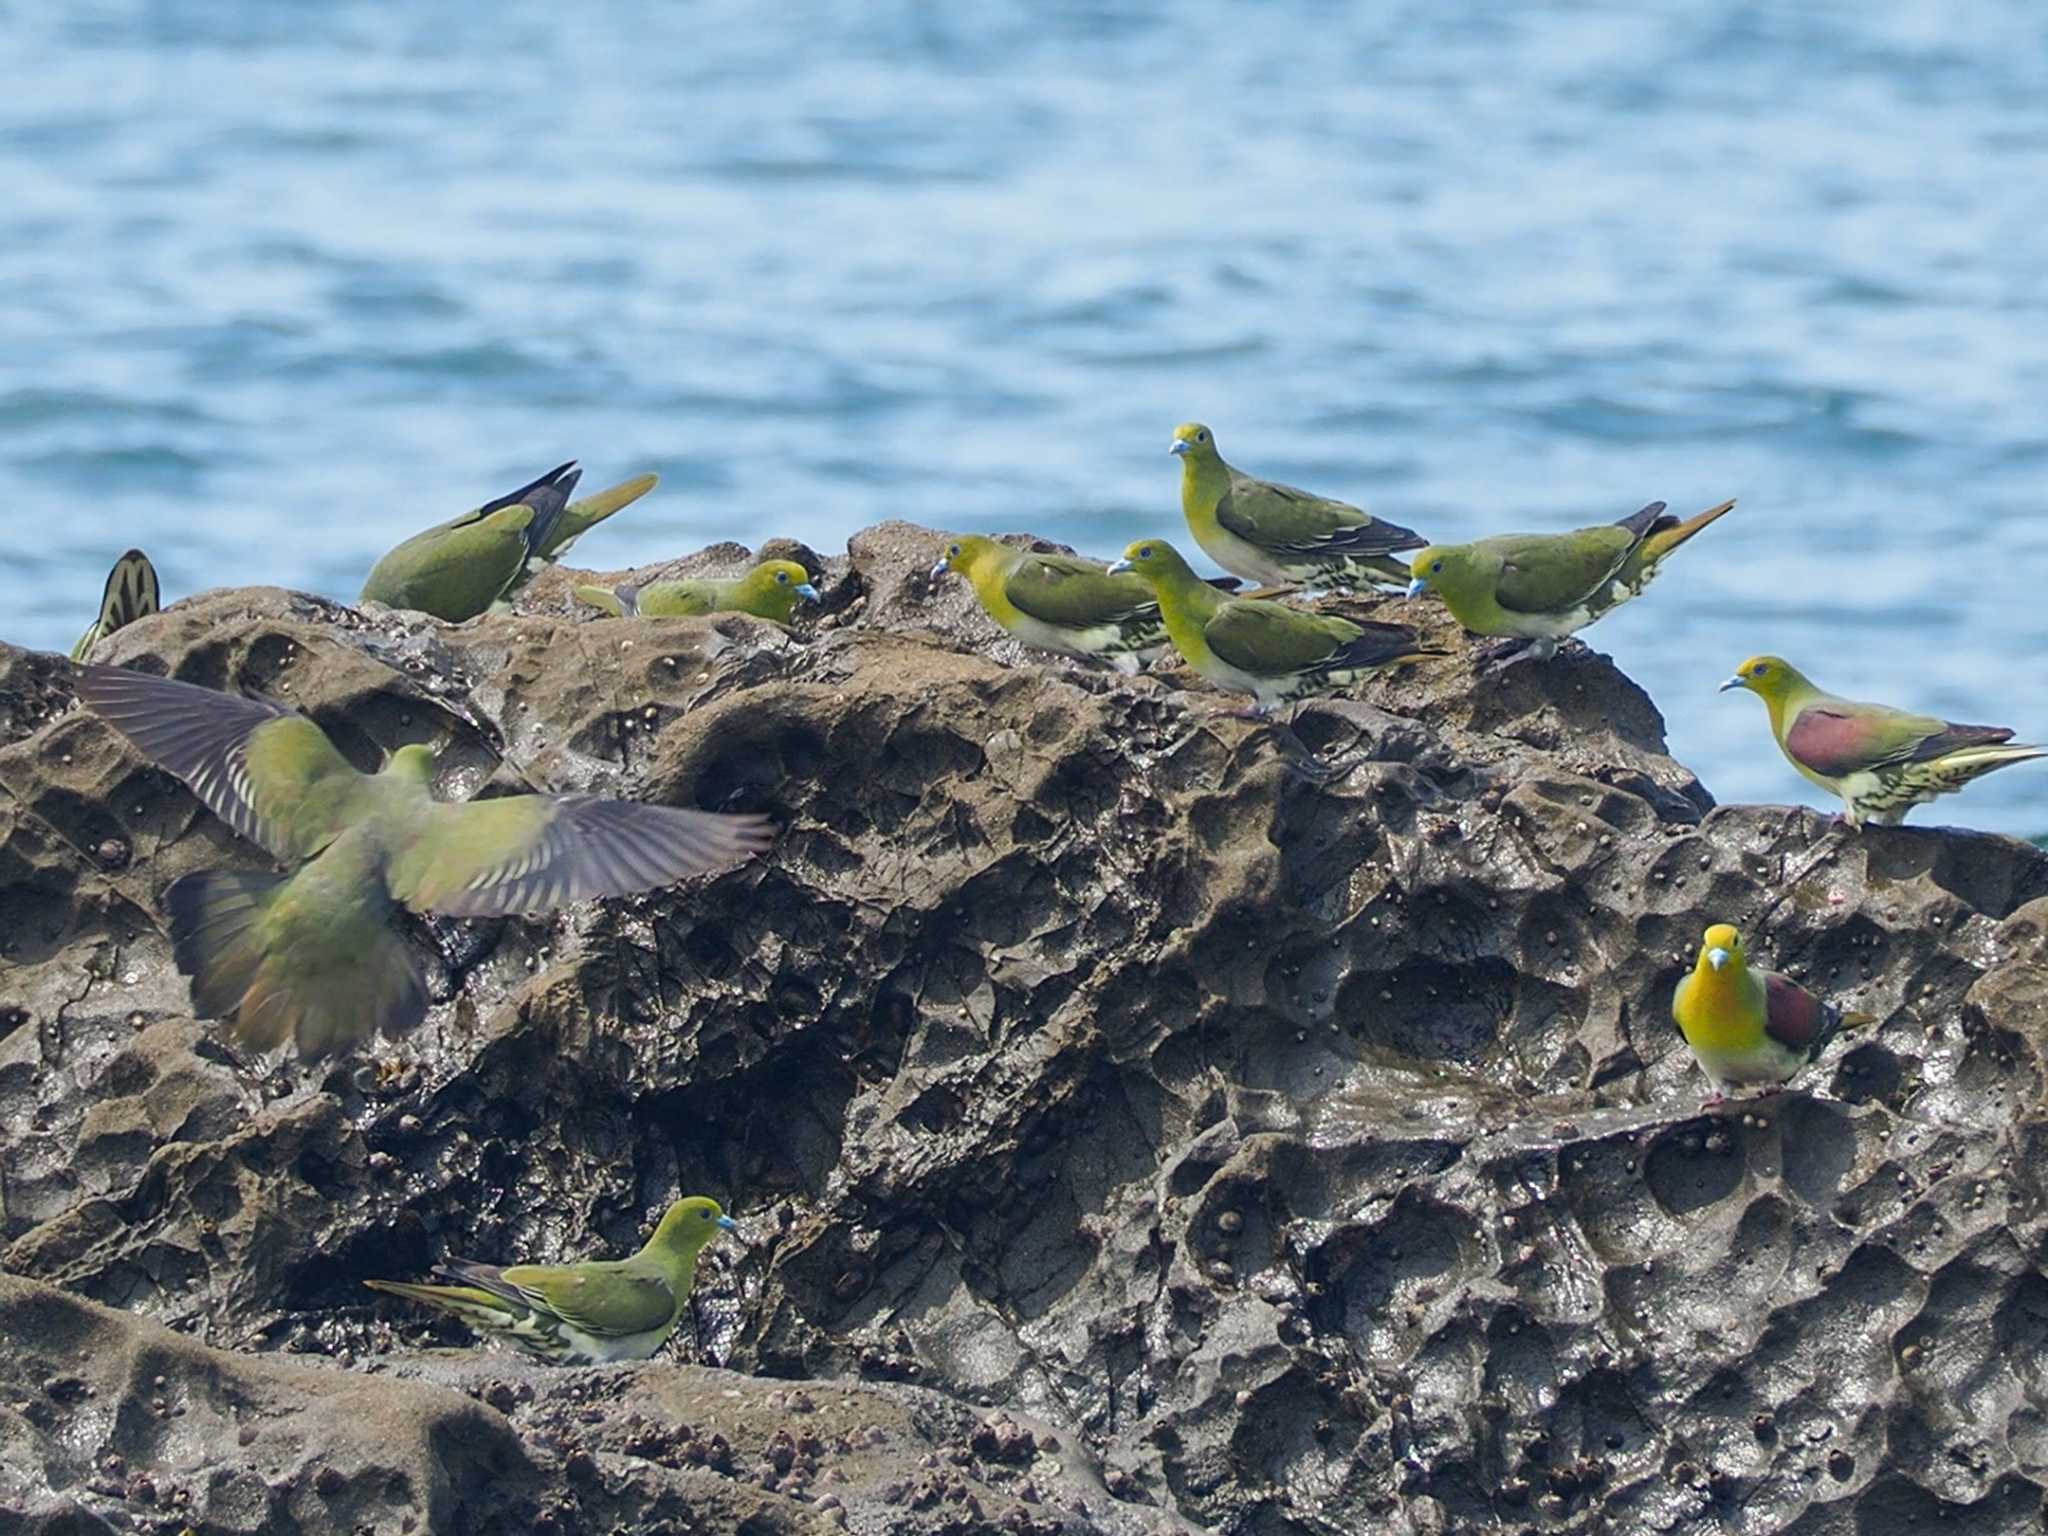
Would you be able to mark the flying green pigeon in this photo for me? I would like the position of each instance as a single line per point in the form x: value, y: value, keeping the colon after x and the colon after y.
x: 1540, y: 588
x: 582, y: 1314
x: 131, y: 594
x: 769, y: 591
x: 1749, y: 1026
x: 1881, y: 761
x: 312, y: 955
x: 577, y: 519
x: 1252, y: 645
x: 1277, y: 534
x: 457, y: 569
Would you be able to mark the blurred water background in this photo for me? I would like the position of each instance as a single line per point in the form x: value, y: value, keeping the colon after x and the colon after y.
x: 282, y: 283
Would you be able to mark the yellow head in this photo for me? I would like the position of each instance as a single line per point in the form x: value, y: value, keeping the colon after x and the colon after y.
x: 1770, y: 677
x: 773, y: 587
x: 1721, y: 948
x: 961, y: 553
x: 688, y: 1225
x: 1193, y: 443
x: 1155, y: 560
x: 1447, y: 567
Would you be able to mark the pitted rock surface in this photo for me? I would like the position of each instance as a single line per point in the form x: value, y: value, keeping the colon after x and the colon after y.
x: 1287, y: 1121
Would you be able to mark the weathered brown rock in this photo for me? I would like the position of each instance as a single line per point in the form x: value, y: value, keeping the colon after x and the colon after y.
x: 1289, y: 1124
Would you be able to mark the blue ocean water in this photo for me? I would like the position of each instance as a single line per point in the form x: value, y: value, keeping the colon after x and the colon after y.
x: 281, y: 283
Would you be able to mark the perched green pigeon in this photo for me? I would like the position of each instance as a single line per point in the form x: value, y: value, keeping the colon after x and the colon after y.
x: 1061, y: 603
x: 1540, y: 588
x: 1746, y: 1026
x: 1277, y: 534
x: 457, y: 569
x: 1881, y: 761
x: 582, y: 1314
x: 769, y: 591
x: 577, y: 519
x: 1252, y: 645
x: 312, y: 955
x: 131, y: 594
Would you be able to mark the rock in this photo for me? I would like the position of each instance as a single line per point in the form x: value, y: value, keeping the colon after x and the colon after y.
x: 1287, y: 1127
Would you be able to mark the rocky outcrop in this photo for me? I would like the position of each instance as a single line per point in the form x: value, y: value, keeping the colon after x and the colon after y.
x: 1288, y: 1123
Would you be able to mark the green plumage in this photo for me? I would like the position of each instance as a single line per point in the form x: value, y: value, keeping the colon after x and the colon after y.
x: 311, y: 955
x: 577, y: 519
x: 591, y: 1313
x: 131, y: 593
x: 458, y: 569
x: 1266, y: 649
x: 1542, y: 588
x: 771, y: 590
x: 1279, y: 534
x: 1062, y: 603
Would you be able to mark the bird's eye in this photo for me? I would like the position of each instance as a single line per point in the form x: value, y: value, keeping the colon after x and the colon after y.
x: 1145, y: 553
x: 952, y: 549
x: 1760, y: 669
x: 783, y: 577
x: 1435, y: 566
x: 1201, y: 437
x: 704, y: 1215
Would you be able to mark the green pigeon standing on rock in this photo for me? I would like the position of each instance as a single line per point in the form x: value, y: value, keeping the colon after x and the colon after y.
x: 131, y: 593
x: 582, y: 1314
x: 465, y: 566
x: 1537, y: 589
x: 1279, y: 535
x: 770, y: 591
x: 1254, y: 645
x: 311, y: 955
x: 1061, y: 603
x: 1880, y: 761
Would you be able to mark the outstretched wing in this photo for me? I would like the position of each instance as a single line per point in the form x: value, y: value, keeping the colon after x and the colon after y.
x: 267, y: 772
x: 534, y: 853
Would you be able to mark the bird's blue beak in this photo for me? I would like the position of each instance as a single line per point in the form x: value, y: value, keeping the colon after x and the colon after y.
x: 1717, y: 958
x: 1416, y: 587
x: 1180, y: 446
x: 1733, y: 682
x: 807, y: 592
x: 728, y: 1224
x: 1118, y: 565
x: 938, y: 570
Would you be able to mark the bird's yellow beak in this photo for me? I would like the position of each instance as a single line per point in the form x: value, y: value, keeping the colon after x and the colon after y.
x: 1737, y: 681
x: 1180, y: 446
x: 1717, y: 957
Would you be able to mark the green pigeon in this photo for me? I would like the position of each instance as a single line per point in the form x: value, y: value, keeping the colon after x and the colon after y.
x: 1539, y: 588
x: 1748, y: 1026
x: 131, y: 594
x: 1253, y: 645
x: 770, y: 590
x: 1880, y: 761
x: 1277, y: 534
x: 577, y: 519
x: 1062, y: 603
x: 459, y: 568
x: 311, y: 955
x: 582, y: 1314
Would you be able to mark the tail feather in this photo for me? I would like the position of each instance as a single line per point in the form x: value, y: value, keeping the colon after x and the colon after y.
x: 214, y: 935
x: 477, y: 1307
x: 604, y: 599
x: 131, y: 593
x: 1667, y: 534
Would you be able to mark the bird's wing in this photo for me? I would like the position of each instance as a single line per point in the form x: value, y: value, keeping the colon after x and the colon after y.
x: 1286, y: 518
x: 534, y: 853
x: 1838, y: 737
x: 1074, y: 593
x: 131, y: 593
x: 268, y: 772
x: 1269, y: 639
x: 1555, y: 573
x: 547, y: 496
x: 606, y: 1301
x: 1794, y: 1017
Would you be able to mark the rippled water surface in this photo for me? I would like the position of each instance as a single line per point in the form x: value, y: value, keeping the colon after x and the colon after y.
x: 281, y: 283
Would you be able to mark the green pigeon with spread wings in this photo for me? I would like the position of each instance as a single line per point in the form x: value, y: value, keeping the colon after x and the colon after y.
x: 581, y: 1314
x: 312, y: 955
